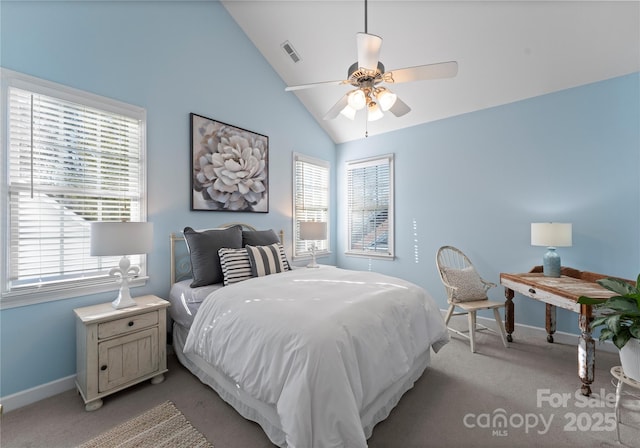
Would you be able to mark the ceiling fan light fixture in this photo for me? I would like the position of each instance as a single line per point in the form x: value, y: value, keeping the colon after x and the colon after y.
x: 386, y: 98
x: 357, y: 99
x: 373, y: 111
x: 348, y: 112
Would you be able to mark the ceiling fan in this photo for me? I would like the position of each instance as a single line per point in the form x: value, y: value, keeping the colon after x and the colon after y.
x: 368, y: 73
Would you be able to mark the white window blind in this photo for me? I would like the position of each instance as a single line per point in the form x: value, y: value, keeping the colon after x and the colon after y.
x: 72, y: 158
x: 311, y: 200
x: 370, y: 207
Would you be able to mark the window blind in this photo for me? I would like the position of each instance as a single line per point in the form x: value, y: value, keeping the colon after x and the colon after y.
x: 370, y: 206
x: 69, y: 164
x: 311, y: 200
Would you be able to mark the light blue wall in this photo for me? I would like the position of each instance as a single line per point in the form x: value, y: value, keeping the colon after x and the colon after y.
x: 171, y: 58
x: 477, y: 181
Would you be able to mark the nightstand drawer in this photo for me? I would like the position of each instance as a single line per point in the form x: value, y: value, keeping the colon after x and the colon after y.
x: 127, y: 325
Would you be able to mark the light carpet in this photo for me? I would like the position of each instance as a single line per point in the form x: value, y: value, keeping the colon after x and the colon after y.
x: 162, y: 426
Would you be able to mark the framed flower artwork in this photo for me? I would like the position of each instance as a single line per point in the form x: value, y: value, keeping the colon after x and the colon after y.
x: 229, y: 167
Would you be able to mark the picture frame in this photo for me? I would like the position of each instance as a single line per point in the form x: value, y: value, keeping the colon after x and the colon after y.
x: 229, y: 167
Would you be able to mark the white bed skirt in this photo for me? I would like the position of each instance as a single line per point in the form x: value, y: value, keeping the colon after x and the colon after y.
x: 264, y: 414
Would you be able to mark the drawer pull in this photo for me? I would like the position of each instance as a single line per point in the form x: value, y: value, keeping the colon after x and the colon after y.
x: 532, y: 291
x: 103, y: 368
x: 131, y: 324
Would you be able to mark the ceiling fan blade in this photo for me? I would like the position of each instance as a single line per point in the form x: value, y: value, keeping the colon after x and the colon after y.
x: 368, y: 50
x: 315, y: 84
x: 420, y: 72
x: 399, y: 108
x: 336, y: 109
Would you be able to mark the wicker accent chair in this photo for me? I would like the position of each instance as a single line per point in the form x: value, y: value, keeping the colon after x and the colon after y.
x: 466, y: 291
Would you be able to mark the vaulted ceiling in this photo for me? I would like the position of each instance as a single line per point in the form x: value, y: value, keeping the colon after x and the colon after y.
x: 506, y: 50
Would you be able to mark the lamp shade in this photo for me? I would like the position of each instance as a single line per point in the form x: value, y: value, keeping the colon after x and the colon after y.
x: 386, y: 98
x: 121, y: 238
x: 357, y: 99
x: 373, y: 112
x: 551, y: 234
x: 313, y: 230
x: 348, y: 112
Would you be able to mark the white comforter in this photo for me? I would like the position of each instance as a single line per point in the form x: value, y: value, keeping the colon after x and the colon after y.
x: 319, y: 344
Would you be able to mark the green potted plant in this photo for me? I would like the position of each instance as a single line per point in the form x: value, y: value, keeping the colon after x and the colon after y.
x: 620, y: 321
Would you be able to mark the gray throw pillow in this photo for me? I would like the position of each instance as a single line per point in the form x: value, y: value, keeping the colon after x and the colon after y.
x: 264, y: 238
x: 259, y: 237
x: 203, y: 251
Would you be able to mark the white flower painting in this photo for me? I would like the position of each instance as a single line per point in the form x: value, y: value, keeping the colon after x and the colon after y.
x: 230, y: 169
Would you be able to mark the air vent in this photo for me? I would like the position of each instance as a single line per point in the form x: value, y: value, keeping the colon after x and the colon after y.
x: 288, y: 48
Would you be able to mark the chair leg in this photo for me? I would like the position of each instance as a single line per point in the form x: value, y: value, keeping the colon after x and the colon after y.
x: 472, y: 330
x: 449, y: 314
x: 503, y: 335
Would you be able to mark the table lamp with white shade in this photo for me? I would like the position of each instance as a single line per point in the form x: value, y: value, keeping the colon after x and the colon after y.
x: 551, y: 235
x: 313, y: 231
x: 122, y: 238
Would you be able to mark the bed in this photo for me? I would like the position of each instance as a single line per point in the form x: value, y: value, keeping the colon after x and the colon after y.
x: 317, y: 357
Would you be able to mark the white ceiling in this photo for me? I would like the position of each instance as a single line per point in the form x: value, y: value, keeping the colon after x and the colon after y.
x: 506, y: 50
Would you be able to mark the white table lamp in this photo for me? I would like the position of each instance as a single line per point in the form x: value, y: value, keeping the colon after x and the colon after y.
x: 122, y: 238
x: 551, y: 235
x: 313, y: 231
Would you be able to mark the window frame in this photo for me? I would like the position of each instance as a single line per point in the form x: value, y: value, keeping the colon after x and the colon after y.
x: 68, y: 288
x: 304, y: 253
x: 386, y: 159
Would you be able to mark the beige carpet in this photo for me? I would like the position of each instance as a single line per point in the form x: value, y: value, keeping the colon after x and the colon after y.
x: 162, y: 426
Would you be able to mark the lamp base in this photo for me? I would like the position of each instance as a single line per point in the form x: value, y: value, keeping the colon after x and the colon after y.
x: 123, y: 271
x: 313, y: 263
x: 551, y: 263
x: 123, y: 300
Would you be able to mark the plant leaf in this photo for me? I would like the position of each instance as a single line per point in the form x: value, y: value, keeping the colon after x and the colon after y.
x: 613, y: 323
x: 599, y: 321
x: 618, y: 286
x: 584, y: 300
x: 621, y: 338
x: 635, y: 330
x: 606, y: 334
x: 623, y: 305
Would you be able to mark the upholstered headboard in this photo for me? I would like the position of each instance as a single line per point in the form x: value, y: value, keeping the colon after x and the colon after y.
x: 180, y: 259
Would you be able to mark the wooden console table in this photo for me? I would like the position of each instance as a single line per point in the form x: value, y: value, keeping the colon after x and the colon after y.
x: 562, y: 292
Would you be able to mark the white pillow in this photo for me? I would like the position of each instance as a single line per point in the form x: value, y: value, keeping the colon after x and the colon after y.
x: 469, y: 286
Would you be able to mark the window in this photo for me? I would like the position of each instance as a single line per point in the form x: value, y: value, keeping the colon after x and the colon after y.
x: 69, y: 158
x: 311, y: 200
x: 370, y: 207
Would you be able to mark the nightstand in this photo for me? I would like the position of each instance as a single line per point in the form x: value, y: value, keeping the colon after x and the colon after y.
x: 116, y: 349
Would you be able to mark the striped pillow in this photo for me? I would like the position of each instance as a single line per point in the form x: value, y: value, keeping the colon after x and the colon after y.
x: 265, y: 260
x: 283, y: 257
x: 235, y: 265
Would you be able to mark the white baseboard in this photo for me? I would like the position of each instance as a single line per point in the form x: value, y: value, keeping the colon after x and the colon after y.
x: 29, y: 396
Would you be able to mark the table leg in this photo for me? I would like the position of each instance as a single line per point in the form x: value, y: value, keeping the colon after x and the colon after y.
x: 508, y: 313
x: 586, y: 350
x: 550, y: 323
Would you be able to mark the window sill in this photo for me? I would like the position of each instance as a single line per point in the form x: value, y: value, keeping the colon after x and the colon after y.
x: 33, y: 296
x: 370, y: 255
